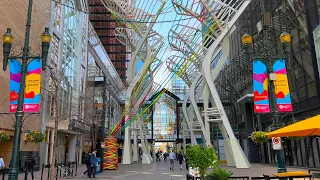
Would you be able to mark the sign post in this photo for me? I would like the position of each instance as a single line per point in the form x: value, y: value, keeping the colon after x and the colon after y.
x: 276, y: 143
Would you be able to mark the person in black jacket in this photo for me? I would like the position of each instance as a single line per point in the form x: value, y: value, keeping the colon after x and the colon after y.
x: 186, y: 159
x: 180, y: 158
x: 93, y: 158
x: 28, y: 165
x: 87, y: 162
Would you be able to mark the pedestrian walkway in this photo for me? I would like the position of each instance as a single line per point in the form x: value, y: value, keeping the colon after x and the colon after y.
x: 37, y: 174
x: 155, y: 171
x: 161, y: 171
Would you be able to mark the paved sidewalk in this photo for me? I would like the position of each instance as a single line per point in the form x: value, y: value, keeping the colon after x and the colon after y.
x: 160, y: 171
x: 138, y: 171
x: 37, y: 174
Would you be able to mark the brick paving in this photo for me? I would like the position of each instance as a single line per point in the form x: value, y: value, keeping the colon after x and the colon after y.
x: 160, y: 171
x: 257, y: 170
x: 37, y: 174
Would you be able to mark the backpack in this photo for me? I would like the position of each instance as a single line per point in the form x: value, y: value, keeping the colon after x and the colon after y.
x: 87, y: 161
x: 30, y: 162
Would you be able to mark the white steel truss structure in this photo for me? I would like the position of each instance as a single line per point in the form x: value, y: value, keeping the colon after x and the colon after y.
x: 196, y: 41
x: 223, y: 15
x: 144, y: 43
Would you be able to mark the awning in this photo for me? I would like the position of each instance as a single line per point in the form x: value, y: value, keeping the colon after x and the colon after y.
x: 308, y: 127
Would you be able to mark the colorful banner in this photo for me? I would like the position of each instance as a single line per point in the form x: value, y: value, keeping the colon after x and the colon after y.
x: 281, y: 86
x: 33, y: 85
x: 32, y: 90
x: 15, y: 79
x: 260, y: 87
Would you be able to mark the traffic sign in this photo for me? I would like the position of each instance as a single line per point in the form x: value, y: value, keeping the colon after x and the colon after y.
x: 276, y: 143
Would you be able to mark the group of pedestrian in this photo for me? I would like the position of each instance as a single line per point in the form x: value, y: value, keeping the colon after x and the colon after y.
x: 179, y: 157
x: 91, y: 165
x: 158, y: 156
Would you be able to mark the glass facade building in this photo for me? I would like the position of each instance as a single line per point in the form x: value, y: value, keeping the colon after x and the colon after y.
x: 299, y: 18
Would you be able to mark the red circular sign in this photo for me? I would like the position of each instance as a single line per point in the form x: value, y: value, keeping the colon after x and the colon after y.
x: 276, y: 140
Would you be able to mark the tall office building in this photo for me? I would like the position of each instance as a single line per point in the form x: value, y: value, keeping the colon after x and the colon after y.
x: 105, y: 26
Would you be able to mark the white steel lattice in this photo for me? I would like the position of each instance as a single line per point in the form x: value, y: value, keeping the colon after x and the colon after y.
x: 194, y: 37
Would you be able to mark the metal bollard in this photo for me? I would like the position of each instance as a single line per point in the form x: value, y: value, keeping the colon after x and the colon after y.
x: 42, y: 171
x: 57, y: 173
x: 76, y: 167
x: 48, y: 166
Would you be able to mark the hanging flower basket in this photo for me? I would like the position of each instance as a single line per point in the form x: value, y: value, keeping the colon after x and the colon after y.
x: 35, y: 136
x: 259, y: 137
x: 295, y: 138
x: 4, y: 137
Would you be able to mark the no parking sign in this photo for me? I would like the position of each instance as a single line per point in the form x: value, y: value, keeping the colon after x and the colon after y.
x: 276, y: 143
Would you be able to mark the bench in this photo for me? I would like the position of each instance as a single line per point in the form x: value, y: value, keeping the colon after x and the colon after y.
x: 266, y: 177
x: 315, y: 172
x: 239, y: 178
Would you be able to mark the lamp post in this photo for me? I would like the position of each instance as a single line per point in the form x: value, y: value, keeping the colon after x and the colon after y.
x: 269, y: 59
x: 7, y: 42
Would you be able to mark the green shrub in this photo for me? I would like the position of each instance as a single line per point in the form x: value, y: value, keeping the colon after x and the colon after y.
x: 219, y: 174
x: 259, y: 137
x: 35, y: 136
x: 4, y: 137
x: 202, y: 158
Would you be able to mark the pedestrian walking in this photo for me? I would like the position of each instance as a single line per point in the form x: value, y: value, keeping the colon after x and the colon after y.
x: 158, y: 156
x: 28, y: 166
x: 172, y: 157
x: 180, y: 158
x: 186, y: 159
x: 93, y: 158
x: 87, y: 162
x: 165, y: 155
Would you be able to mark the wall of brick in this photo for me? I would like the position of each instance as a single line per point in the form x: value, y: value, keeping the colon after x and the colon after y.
x: 13, y: 14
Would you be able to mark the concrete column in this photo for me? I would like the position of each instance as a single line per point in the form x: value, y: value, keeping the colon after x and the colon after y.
x: 126, y: 154
x: 72, y: 148
x: 135, y: 144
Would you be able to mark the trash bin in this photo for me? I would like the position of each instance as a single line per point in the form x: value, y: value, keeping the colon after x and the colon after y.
x: 98, y: 161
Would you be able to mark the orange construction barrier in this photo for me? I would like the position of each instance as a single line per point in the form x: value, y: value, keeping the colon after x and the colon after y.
x: 110, y: 153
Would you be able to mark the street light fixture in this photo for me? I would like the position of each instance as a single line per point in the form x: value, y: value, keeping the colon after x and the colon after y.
x: 268, y: 59
x: 45, y: 39
x: 285, y: 38
x: 247, y: 39
x: 7, y: 42
x: 7, y: 39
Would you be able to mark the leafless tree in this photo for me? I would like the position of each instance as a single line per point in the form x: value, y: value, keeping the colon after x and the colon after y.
x: 65, y: 106
x: 94, y: 112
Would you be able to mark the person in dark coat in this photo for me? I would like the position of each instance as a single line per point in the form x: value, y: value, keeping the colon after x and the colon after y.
x: 87, y: 162
x: 28, y: 165
x: 180, y: 158
x: 93, y: 167
x: 186, y: 159
x: 158, y: 156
